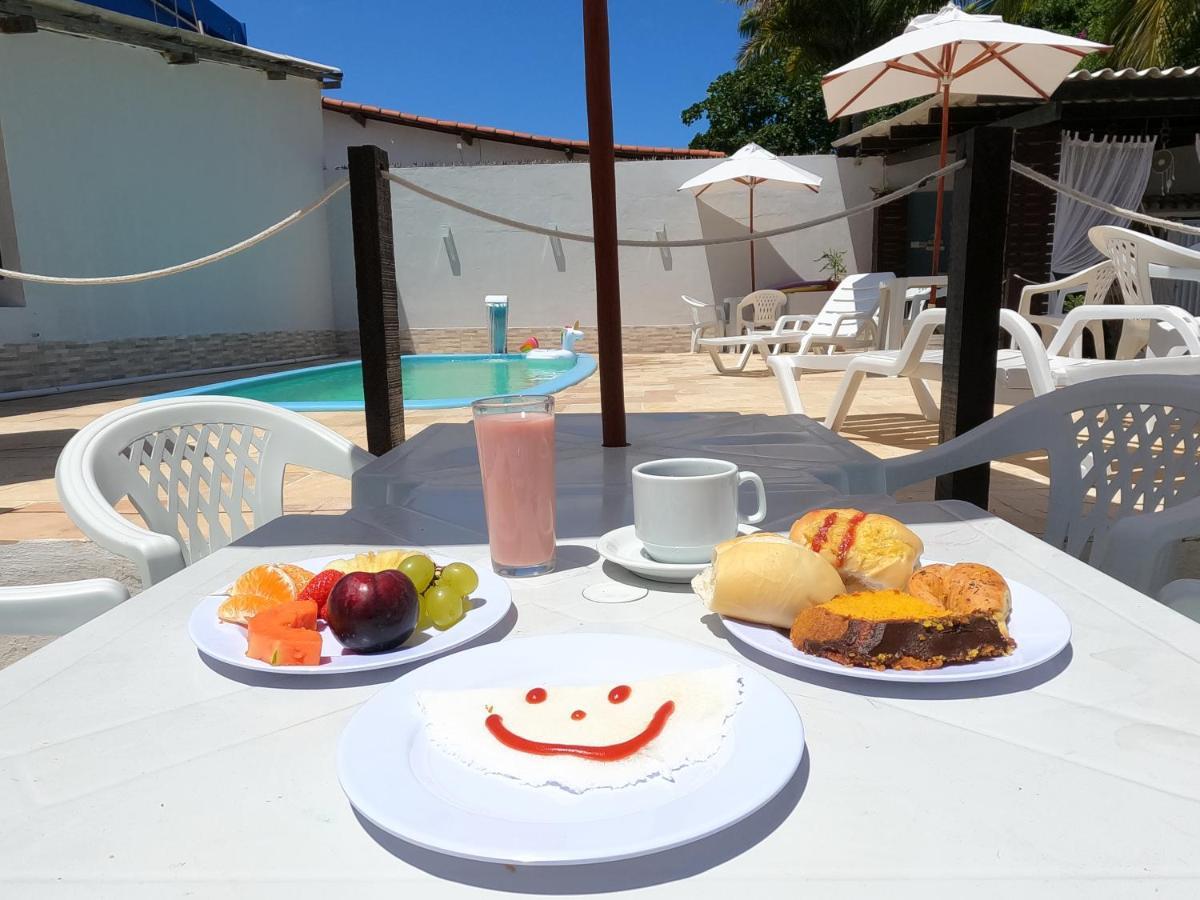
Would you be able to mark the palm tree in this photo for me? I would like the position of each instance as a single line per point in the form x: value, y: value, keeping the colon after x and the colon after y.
x: 1143, y: 33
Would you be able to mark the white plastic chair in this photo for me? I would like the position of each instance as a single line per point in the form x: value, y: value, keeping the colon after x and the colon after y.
x: 846, y: 320
x: 201, y: 471
x: 1116, y: 447
x: 1138, y: 258
x: 57, y: 608
x: 1095, y: 281
x: 766, y: 307
x: 704, y: 319
x: 1183, y: 596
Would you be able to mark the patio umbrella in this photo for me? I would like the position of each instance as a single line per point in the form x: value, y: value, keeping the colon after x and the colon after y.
x: 751, y: 166
x: 951, y: 49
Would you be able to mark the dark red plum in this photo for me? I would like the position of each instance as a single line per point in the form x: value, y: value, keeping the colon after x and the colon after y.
x: 373, y: 612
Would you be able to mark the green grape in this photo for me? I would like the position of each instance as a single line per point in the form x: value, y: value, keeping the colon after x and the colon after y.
x: 459, y: 577
x: 445, y: 606
x: 420, y: 571
x: 423, y: 620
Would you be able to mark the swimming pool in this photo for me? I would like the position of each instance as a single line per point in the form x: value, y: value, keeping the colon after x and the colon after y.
x: 431, y: 381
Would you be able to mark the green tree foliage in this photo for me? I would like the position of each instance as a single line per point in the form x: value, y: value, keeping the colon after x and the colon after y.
x: 1143, y: 33
x: 763, y: 103
x: 774, y: 96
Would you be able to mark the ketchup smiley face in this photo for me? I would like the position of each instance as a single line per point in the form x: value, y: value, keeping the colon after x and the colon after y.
x: 601, y: 753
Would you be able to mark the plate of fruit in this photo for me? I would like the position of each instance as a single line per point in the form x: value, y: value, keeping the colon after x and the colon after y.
x: 328, y: 614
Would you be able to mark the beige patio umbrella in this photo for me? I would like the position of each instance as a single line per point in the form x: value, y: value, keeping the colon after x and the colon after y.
x: 953, y: 50
x: 751, y: 166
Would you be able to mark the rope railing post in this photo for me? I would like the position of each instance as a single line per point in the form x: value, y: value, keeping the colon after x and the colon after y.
x: 976, y: 277
x: 378, y: 302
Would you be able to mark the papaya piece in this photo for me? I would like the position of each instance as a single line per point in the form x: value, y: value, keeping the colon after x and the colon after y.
x: 285, y: 635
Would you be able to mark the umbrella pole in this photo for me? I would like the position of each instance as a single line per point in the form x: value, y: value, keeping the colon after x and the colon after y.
x: 941, y: 186
x: 752, y: 284
x: 604, y: 221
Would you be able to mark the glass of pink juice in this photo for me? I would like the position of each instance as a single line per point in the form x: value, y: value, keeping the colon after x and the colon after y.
x: 515, y: 435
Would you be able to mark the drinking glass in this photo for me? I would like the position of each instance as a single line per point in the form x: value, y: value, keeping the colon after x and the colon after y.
x: 515, y: 435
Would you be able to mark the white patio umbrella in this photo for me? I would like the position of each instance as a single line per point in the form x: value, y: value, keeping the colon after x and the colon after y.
x: 951, y: 49
x: 751, y: 166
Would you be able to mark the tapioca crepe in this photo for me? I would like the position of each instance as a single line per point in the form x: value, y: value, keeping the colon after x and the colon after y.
x: 585, y: 737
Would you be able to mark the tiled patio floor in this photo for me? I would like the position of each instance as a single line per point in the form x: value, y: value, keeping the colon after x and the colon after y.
x: 885, y: 422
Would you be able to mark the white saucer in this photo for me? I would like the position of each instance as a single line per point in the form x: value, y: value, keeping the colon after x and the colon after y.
x: 622, y: 547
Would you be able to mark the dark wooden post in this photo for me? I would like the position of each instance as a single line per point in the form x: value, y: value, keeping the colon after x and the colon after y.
x: 975, y: 297
x: 601, y: 164
x: 378, y: 306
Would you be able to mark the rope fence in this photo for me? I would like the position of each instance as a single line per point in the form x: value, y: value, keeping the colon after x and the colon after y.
x: 688, y: 242
x: 532, y: 228
x: 249, y: 242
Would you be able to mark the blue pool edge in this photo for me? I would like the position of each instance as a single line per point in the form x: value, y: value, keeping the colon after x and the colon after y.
x: 585, y: 365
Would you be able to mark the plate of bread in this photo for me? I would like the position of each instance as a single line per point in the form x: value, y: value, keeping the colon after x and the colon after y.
x: 847, y: 592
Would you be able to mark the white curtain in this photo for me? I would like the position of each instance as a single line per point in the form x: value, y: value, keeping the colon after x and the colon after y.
x: 1115, y: 170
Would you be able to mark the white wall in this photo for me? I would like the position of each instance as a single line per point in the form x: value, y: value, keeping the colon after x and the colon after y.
x: 495, y: 260
x: 409, y: 146
x: 118, y: 162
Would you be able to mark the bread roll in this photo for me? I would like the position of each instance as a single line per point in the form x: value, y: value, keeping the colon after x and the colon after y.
x: 965, y: 588
x: 870, y: 551
x: 765, y: 578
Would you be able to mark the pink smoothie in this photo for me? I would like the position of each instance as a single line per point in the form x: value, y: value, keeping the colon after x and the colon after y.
x: 516, y: 456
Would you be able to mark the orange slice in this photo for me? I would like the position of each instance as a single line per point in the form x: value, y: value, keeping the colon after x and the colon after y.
x: 300, y: 576
x: 241, y: 608
x: 269, y: 581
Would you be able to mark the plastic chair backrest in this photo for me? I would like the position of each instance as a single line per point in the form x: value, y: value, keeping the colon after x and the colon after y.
x: 1115, y: 446
x: 1133, y: 253
x: 202, y: 470
x: 855, y: 294
x: 768, y: 305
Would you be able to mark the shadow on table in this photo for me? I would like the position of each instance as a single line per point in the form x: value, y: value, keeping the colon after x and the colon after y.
x: 256, y: 678
x: 594, y: 878
x: 574, y: 556
x: 962, y: 690
x: 614, y: 572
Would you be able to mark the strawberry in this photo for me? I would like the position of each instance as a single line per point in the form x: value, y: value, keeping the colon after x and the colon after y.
x: 319, y: 588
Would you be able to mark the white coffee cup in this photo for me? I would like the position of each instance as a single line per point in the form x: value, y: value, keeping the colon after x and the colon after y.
x: 684, y: 507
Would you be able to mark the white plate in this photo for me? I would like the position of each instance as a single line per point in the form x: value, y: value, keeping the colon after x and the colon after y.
x: 403, y: 784
x: 1039, y: 627
x: 227, y: 642
x: 621, y: 546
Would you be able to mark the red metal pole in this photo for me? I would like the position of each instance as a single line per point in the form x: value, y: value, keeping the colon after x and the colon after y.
x: 752, y: 283
x: 937, y: 220
x: 601, y: 162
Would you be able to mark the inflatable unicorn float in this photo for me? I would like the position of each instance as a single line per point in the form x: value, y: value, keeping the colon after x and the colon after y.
x: 570, y: 335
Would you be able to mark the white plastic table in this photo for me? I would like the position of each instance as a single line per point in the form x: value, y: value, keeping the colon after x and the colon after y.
x: 131, y: 768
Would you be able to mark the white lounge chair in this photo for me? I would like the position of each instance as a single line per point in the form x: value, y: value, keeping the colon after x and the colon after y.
x: 704, y: 319
x: 846, y: 320
x: 1095, y: 281
x: 1116, y: 447
x: 57, y: 608
x: 1138, y: 258
x: 1027, y: 369
x: 201, y: 471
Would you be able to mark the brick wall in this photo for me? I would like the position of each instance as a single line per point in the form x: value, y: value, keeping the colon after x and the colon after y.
x: 49, y: 364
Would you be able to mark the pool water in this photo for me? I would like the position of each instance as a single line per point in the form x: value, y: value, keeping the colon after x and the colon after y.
x: 430, y: 381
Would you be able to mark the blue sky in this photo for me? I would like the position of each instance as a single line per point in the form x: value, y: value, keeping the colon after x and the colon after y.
x: 511, y: 63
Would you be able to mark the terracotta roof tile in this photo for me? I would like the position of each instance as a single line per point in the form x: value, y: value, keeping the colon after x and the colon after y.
x: 625, y: 151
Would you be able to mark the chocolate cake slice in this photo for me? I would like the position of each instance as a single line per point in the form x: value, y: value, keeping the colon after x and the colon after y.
x: 895, y: 630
